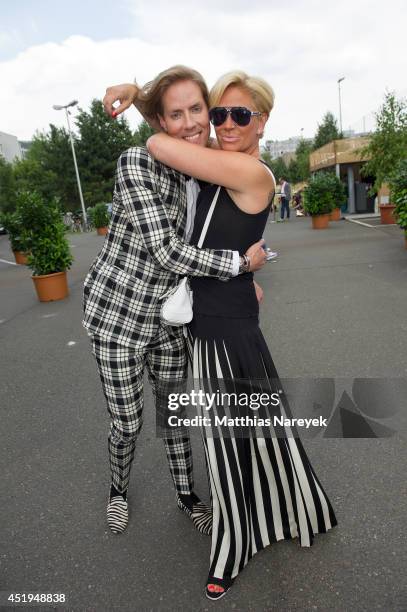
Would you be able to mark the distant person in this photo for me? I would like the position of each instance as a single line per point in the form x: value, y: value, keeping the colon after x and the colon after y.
x: 299, y: 209
x: 285, y: 198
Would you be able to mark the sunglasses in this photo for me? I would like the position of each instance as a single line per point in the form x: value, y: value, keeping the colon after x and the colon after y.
x: 239, y: 114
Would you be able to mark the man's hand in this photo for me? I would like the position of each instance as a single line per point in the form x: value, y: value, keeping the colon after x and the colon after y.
x: 125, y: 94
x: 259, y: 292
x: 257, y: 255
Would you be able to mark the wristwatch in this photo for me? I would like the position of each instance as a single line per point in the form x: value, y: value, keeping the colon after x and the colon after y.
x: 244, y: 264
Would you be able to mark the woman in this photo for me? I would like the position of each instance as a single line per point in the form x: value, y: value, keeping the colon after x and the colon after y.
x: 263, y: 487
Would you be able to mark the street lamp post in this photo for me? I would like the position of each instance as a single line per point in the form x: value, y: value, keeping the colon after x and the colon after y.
x: 59, y: 107
x: 340, y: 106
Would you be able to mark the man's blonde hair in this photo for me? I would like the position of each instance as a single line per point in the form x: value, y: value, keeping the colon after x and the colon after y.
x: 261, y: 92
x: 152, y: 93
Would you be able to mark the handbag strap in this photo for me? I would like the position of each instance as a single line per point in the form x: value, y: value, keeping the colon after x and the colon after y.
x: 208, y: 219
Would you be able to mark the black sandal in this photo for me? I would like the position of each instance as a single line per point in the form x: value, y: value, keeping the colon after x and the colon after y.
x: 225, y: 583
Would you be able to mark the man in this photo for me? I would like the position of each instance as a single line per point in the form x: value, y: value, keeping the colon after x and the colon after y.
x: 141, y: 258
x: 285, y: 198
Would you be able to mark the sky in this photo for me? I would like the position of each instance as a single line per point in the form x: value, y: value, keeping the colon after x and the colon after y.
x: 51, y: 53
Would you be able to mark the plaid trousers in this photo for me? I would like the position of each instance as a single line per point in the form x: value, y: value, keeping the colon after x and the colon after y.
x: 121, y: 370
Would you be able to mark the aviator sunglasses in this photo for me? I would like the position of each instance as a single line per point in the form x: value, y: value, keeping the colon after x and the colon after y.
x: 239, y: 114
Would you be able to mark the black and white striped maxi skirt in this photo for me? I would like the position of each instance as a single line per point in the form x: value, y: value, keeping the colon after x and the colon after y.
x: 263, y: 487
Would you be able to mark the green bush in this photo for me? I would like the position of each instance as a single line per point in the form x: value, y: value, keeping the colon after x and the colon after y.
x: 44, y: 235
x: 13, y: 225
x: 100, y: 216
x: 323, y: 193
x: 338, y: 192
x: 89, y: 213
x: 398, y: 192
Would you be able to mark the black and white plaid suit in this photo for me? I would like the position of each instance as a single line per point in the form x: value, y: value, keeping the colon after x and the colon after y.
x: 141, y: 258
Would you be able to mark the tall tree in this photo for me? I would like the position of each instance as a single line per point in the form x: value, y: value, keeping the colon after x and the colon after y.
x: 7, y: 187
x: 302, y: 154
x: 388, y: 144
x: 101, y: 141
x: 293, y: 171
x: 327, y: 131
x: 48, y: 168
x: 279, y: 168
x: 142, y: 134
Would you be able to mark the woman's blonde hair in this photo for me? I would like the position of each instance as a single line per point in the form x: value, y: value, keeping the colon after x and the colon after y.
x: 261, y: 92
x: 152, y: 92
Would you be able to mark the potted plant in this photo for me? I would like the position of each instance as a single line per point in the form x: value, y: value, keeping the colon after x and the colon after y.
x: 398, y: 190
x: 44, y: 234
x: 100, y: 218
x: 319, y: 198
x: 13, y: 226
x: 387, y: 211
x: 89, y: 215
x: 387, y: 145
x: 339, y: 195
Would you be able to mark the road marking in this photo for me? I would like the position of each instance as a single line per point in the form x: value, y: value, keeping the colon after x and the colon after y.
x: 12, y: 263
x: 361, y: 223
x: 71, y: 343
x: 48, y: 316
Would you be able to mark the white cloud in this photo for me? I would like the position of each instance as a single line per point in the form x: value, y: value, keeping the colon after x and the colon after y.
x: 301, y: 47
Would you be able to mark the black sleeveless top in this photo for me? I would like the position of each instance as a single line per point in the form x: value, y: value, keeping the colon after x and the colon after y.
x: 229, y: 228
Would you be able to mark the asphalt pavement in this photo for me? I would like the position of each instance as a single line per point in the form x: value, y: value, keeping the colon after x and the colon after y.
x: 334, y: 306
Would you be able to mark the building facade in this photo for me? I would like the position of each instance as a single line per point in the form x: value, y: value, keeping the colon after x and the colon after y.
x: 346, y: 157
x: 10, y: 148
x: 278, y: 148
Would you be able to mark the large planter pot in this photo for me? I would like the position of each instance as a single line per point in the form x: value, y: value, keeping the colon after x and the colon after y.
x: 320, y: 221
x: 335, y: 215
x: 102, y: 231
x: 20, y: 257
x: 386, y: 214
x: 51, y: 287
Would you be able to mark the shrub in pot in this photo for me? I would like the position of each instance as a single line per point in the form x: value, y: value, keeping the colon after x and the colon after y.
x: 100, y: 218
x: 13, y: 225
x: 339, y: 196
x: 89, y: 215
x: 398, y: 190
x: 50, y: 256
x: 319, y: 198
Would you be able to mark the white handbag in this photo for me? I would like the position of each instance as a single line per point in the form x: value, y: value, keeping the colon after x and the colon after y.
x: 176, y: 309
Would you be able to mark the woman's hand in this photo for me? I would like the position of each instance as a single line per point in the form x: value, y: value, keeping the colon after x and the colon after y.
x: 126, y: 94
x: 257, y: 255
x: 259, y: 292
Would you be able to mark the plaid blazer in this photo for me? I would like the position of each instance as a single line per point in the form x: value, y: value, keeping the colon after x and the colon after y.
x: 143, y: 252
